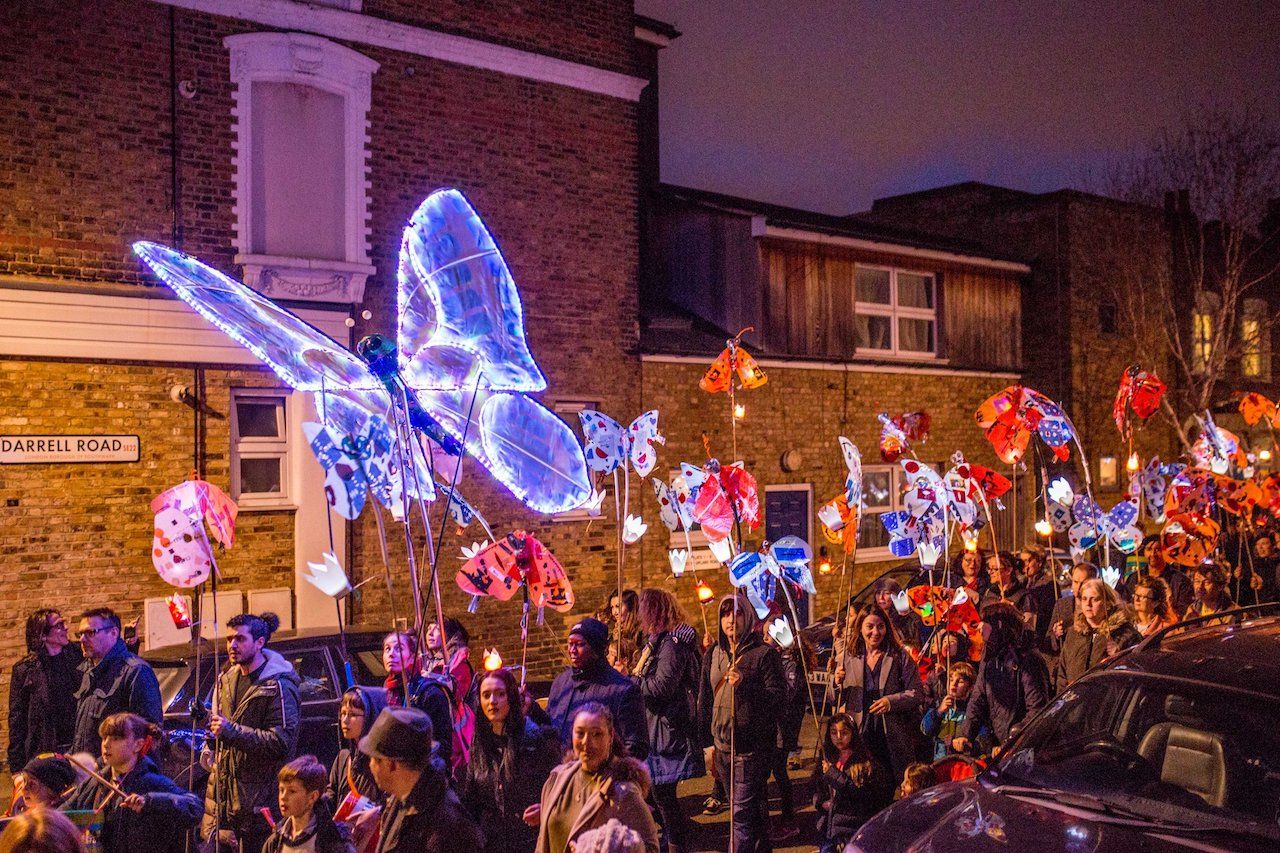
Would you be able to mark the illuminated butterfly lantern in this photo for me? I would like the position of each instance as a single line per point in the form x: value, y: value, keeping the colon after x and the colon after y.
x: 1190, y: 491
x: 1152, y: 483
x: 460, y: 352
x: 722, y: 496
x: 853, y: 479
x: 180, y: 548
x: 1013, y: 415
x: 1091, y: 524
x: 922, y: 522
x: 1254, y: 408
x: 1139, y: 394
x: 1188, y: 539
x: 611, y: 446
x: 675, y: 504
x: 1238, y: 496
x: 1216, y: 449
x: 356, y: 465
x: 733, y: 361
x: 517, y: 559
x: 898, y: 433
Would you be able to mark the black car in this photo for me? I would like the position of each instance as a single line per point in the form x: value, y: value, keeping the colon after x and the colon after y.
x: 1173, y: 745
x: 316, y: 656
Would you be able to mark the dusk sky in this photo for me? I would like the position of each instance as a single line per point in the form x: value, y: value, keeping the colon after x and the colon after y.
x: 828, y: 105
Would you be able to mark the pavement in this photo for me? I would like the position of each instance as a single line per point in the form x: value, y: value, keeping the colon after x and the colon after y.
x: 713, y: 832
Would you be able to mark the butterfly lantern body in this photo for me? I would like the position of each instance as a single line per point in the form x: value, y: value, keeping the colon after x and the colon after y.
x: 723, y: 495
x: 518, y: 558
x: 460, y: 368
x: 180, y: 548
x: 1011, y: 416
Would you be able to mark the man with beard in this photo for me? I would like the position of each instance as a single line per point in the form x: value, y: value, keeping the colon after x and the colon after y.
x: 255, y: 726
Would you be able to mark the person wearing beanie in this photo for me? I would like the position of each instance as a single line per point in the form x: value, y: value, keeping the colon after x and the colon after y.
x: 255, y: 721
x: 46, y: 781
x: 589, y: 678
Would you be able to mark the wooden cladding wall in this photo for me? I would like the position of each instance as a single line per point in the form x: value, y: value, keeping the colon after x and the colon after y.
x: 809, y: 297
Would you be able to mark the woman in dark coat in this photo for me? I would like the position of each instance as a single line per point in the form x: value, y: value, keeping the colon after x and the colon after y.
x: 1102, y: 627
x: 511, y: 758
x: 42, y: 690
x: 667, y: 671
x: 1012, y: 679
x: 878, y: 684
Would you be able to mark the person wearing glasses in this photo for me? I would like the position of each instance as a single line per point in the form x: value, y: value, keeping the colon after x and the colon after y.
x: 115, y: 680
x: 42, y: 692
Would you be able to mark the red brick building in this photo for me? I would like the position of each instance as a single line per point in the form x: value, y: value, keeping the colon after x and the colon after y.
x: 287, y: 143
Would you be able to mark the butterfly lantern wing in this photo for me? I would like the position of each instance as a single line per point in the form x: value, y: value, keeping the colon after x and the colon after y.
x: 668, y: 503
x: 712, y: 510
x: 1148, y: 392
x: 1051, y: 423
x: 219, y: 513
x: 904, y: 532
x: 853, y: 480
x: 750, y: 373
x: 743, y: 491
x: 719, y: 375
x: 494, y: 571
x: 345, y: 485
x: 606, y: 441
x: 642, y: 435
x: 1187, y: 539
x: 1254, y: 407
x: 1119, y: 525
x: 915, y: 425
x: 180, y: 549
x: 548, y: 582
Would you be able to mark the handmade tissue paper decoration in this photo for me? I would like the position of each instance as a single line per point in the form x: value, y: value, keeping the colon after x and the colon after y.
x: 592, y: 503
x: 722, y: 496
x: 1012, y: 416
x: 1254, y: 407
x: 793, y: 556
x: 897, y: 434
x: 328, y: 577
x: 492, y: 660
x: 500, y: 568
x: 179, y: 610
x: 1091, y: 524
x: 678, y: 557
x: 460, y: 352
x: 180, y: 549
x: 675, y: 504
x: 733, y: 361
x: 1188, y: 539
x: 633, y: 528
x: 357, y: 465
x: 1139, y: 395
x: 610, y: 446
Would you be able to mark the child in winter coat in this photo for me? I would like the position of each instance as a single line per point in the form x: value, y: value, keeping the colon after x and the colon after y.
x: 305, y: 824
x: 154, y: 814
x: 915, y: 778
x: 843, y: 784
x: 944, y: 721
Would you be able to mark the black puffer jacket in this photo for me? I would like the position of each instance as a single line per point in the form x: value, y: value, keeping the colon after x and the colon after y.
x: 260, y: 739
x: 758, y: 698
x: 599, y: 682
x: 162, y: 825
x: 668, y: 679
x: 121, y: 681
x: 496, y: 797
x: 1009, y: 686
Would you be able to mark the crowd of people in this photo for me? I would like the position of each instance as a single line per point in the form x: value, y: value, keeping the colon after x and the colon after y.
x: 440, y: 757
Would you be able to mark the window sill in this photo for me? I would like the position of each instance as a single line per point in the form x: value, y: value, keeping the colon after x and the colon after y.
x: 249, y: 503
x: 305, y: 279
x: 889, y: 355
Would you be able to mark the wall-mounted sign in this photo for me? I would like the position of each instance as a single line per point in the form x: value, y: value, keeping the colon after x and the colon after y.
x: 64, y: 449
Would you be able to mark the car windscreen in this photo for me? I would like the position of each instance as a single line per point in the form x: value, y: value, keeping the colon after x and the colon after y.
x: 1167, y: 747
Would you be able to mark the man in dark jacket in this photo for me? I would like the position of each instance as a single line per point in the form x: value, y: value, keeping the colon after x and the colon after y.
x: 741, y: 698
x: 1013, y: 681
x: 255, y: 727
x: 422, y: 812
x: 42, y: 691
x: 1064, y: 611
x: 589, y: 678
x: 114, y: 680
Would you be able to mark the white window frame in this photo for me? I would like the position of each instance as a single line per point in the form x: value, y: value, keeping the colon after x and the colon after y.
x: 896, y: 312
x: 256, y: 447
x: 567, y: 410
x: 304, y: 60
x: 897, y: 477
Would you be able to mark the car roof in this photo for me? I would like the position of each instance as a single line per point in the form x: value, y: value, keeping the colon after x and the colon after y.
x: 280, y: 641
x: 1238, y: 650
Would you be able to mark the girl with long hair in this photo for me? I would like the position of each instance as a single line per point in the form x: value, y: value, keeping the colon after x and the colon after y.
x: 843, y: 783
x: 511, y: 757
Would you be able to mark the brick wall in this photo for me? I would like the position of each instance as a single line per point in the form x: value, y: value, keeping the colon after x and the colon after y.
x: 551, y: 169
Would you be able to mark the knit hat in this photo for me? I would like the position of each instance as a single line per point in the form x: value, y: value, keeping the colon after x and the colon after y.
x: 595, y: 632
x: 53, y: 772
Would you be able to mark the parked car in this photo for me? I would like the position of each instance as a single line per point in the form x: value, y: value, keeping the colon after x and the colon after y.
x: 1172, y: 745
x: 317, y: 656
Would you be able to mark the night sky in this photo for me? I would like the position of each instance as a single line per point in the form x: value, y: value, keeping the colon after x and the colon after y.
x: 828, y: 105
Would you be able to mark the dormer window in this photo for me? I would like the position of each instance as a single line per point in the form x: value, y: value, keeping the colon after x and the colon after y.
x: 895, y: 312
x: 302, y: 203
